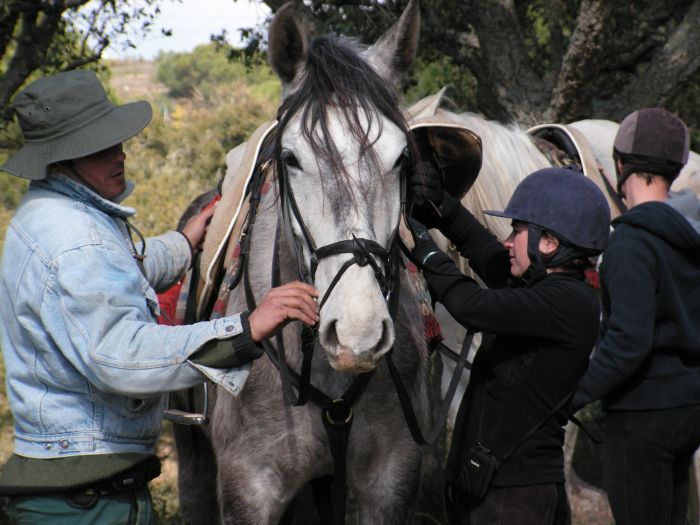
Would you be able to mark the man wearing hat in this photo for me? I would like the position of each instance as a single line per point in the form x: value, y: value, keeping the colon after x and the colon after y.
x: 646, y: 368
x: 86, y: 364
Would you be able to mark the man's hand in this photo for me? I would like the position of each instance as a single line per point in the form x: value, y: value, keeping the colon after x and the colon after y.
x: 196, y: 227
x: 295, y: 301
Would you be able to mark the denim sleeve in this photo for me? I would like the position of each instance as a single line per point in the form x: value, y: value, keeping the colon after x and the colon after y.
x: 100, y: 312
x: 167, y: 258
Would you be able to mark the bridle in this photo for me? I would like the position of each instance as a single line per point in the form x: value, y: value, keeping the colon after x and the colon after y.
x: 362, y: 250
x: 337, y: 413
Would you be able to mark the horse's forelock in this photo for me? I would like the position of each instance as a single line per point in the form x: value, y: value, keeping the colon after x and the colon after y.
x: 336, y: 75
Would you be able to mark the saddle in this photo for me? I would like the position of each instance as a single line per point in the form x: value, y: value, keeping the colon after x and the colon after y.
x: 563, y: 146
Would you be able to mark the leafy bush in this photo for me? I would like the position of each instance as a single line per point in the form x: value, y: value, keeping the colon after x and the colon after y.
x: 207, y: 66
x: 192, y: 141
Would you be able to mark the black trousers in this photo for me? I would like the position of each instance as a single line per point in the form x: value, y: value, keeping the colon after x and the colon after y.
x: 529, y: 505
x: 646, y: 461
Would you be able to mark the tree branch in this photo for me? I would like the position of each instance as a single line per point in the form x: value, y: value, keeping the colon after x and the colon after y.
x: 274, y: 5
x: 8, y: 20
x: 508, y: 86
x: 677, y: 61
x: 574, y: 90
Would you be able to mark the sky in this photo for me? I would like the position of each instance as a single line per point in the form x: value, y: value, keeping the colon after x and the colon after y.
x: 192, y: 22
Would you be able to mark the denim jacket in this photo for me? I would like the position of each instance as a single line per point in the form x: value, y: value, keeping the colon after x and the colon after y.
x: 86, y: 364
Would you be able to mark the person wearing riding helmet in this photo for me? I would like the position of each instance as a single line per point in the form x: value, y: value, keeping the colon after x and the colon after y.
x: 646, y: 368
x: 85, y: 362
x: 543, y: 318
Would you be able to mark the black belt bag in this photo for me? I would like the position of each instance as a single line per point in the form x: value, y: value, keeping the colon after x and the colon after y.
x: 480, y: 464
x: 478, y: 470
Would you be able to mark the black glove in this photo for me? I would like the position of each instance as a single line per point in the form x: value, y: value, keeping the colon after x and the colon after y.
x: 425, y: 245
x: 429, y: 202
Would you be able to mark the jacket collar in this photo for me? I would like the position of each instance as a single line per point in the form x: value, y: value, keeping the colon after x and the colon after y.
x: 70, y: 188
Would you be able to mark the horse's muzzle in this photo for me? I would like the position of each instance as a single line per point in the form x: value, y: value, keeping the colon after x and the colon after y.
x: 345, y: 360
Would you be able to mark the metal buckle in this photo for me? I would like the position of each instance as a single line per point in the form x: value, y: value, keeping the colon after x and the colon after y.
x: 341, y: 409
x: 180, y: 417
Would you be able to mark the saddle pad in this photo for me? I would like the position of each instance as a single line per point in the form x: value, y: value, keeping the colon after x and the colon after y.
x: 225, y: 223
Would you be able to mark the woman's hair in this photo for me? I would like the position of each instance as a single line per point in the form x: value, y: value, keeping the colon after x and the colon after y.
x: 574, y: 262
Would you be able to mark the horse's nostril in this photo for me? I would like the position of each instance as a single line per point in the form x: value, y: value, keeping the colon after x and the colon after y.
x: 387, y: 335
x: 328, y: 335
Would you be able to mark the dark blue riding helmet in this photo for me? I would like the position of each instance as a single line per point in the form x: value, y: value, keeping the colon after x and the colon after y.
x: 564, y: 202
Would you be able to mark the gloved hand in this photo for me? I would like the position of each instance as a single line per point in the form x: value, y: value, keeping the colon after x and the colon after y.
x: 429, y: 202
x: 425, y: 245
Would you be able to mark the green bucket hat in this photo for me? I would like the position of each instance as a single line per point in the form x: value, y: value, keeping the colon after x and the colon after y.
x: 68, y: 116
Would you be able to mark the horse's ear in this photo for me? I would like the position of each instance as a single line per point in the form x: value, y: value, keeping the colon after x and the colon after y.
x: 395, y: 51
x: 287, y: 43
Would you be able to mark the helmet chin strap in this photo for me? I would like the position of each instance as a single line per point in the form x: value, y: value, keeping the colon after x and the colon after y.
x: 637, y: 163
x: 538, y: 266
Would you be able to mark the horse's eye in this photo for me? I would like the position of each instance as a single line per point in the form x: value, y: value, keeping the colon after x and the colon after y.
x: 290, y: 160
x: 401, y: 158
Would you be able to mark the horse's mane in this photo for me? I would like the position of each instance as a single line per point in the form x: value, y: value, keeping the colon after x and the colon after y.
x: 337, y: 75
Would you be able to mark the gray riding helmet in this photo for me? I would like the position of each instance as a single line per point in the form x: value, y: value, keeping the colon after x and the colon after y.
x: 651, y: 140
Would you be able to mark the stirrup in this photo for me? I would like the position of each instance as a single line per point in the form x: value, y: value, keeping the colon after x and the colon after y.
x: 180, y: 417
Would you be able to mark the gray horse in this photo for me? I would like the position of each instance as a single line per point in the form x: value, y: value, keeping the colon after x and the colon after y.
x: 339, y: 151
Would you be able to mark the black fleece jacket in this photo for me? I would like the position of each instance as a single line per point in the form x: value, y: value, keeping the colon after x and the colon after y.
x: 543, y: 335
x: 649, y: 352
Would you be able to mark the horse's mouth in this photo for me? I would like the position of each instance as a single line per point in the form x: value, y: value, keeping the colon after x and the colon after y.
x: 345, y: 360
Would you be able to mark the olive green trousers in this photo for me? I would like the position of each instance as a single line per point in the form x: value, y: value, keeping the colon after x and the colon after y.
x: 133, y: 507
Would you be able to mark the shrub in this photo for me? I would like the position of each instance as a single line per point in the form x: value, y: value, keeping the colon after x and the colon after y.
x: 200, y: 71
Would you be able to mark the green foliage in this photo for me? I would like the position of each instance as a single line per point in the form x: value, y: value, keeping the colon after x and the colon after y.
x: 206, y: 67
x: 429, y: 77
x: 11, y: 188
x: 182, y: 152
x: 60, y: 35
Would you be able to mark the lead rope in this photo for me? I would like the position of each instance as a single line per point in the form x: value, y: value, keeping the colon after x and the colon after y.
x: 138, y: 256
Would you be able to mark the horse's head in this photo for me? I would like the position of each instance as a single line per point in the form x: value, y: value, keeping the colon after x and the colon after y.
x: 341, y: 149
